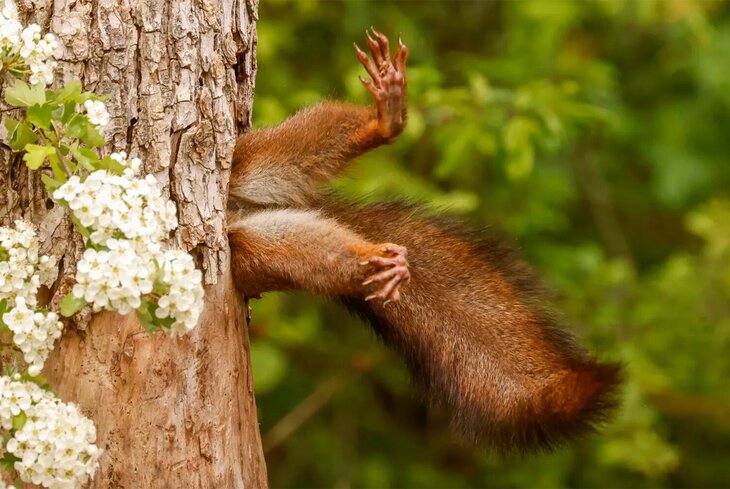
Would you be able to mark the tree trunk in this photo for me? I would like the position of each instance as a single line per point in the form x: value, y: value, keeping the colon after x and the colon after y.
x: 179, y: 76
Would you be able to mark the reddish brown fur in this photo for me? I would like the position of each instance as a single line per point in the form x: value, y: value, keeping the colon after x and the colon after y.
x: 476, y: 338
x: 301, y: 153
x: 301, y: 249
x: 470, y: 324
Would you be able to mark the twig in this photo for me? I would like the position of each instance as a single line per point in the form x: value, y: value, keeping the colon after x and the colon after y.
x: 601, y: 204
x: 305, y: 410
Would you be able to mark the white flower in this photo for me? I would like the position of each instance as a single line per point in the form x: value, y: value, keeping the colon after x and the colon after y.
x: 133, y: 164
x: 115, y: 279
x: 69, y: 190
x: 42, y: 73
x: 20, y: 318
x: 34, y: 333
x: 35, y: 50
x: 109, y: 204
x: 22, y: 269
x: 26, y: 46
x: 119, y: 278
x: 129, y: 219
x: 10, y: 10
x: 10, y: 30
x: 184, y: 300
x: 55, y: 446
x: 29, y: 39
x: 96, y: 111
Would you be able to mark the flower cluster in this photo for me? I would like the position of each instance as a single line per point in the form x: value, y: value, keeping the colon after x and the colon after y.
x: 37, y: 51
x: 96, y: 112
x: 115, y: 278
x: 54, y: 447
x: 33, y: 332
x: 184, y: 298
x: 32, y: 49
x: 10, y: 28
x: 111, y: 204
x: 22, y: 269
x: 129, y: 219
x: 118, y: 279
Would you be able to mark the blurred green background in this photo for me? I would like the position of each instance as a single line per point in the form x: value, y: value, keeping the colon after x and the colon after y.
x: 596, y: 135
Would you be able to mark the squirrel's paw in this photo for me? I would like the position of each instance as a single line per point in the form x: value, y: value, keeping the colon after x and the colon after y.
x: 392, y: 258
x: 388, y: 85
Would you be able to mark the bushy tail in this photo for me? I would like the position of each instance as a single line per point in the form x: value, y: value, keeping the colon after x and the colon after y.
x: 476, y: 338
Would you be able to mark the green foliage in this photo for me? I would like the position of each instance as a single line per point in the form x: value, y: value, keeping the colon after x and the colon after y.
x: 148, y: 318
x: 19, y: 420
x: 21, y: 94
x: 35, y: 155
x: 19, y: 134
x: 592, y: 133
x: 52, y: 120
x: 8, y: 461
x: 70, y: 305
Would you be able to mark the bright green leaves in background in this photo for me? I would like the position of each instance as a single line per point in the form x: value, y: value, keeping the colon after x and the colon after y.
x: 595, y: 134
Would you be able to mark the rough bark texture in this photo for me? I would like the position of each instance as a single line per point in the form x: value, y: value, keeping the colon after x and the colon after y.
x: 179, y: 75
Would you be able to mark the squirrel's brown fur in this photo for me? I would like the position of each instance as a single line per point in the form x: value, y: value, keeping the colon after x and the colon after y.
x: 460, y: 308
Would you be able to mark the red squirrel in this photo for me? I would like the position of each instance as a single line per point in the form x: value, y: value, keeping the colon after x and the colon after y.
x: 462, y: 310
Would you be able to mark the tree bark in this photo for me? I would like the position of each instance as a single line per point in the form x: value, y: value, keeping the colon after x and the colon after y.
x: 179, y: 76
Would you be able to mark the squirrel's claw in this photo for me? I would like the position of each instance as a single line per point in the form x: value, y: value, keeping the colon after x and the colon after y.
x: 395, y: 274
x: 366, y: 62
x: 388, y: 84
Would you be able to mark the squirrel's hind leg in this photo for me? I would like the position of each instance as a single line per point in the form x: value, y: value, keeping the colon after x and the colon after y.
x: 280, y: 249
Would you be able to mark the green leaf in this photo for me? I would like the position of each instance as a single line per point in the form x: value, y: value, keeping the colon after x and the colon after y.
x: 77, y: 127
x: 11, y: 124
x: 35, y: 155
x: 71, y: 304
x: 69, y: 109
x: 40, y: 115
x: 93, y: 137
x: 36, y: 379
x: 70, y: 92
x: 8, y: 462
x: 80, y: 227
x: 19, y: 134
x: 165, y: 322
x: 146, y: 318
x: 86, y: 157
x: 3, y: 310
x: 23, y: 95
x: 19, y: 420
x: 58, y: 171
x: 51, y: 183
x: 111, y: 165
x: 518, y: 134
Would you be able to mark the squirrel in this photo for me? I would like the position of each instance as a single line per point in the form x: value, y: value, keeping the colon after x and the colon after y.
x: 459, y: 306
